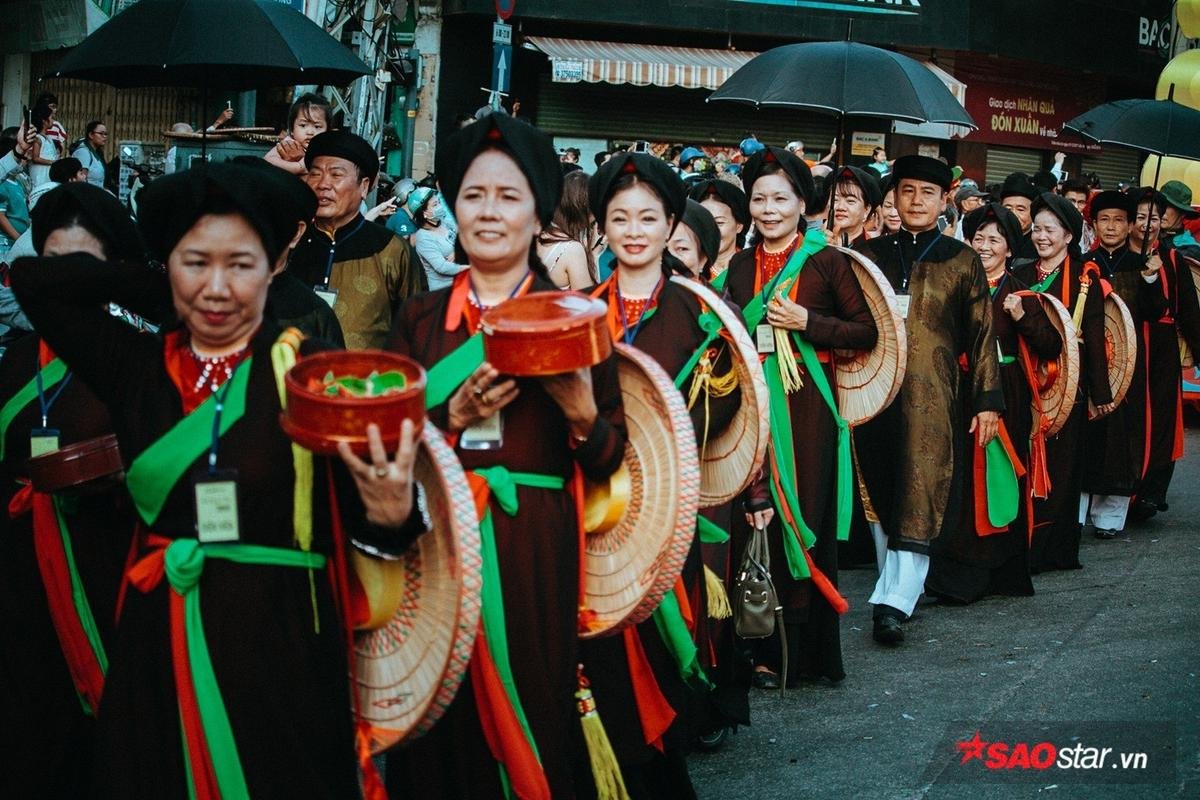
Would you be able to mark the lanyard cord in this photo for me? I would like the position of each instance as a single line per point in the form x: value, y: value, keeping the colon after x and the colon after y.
x: 219, y: 395
x: 626, y: 335
x: 47, y: 404
x: 333, y: 250
x: 904, y: 267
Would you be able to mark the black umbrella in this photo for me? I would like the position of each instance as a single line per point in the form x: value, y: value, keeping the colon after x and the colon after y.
x: 224, y: 44
x: 849, y: 79
x: 1159, y: 127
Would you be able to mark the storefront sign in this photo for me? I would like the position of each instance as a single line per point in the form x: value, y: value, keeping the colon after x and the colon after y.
x: 862, y: 6
x: 563, y: 71
x: 1024, y: 117
x: 864, y: 144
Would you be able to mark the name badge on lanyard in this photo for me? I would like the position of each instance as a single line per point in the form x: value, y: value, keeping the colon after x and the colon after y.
x: 42, y: 441
x: 902, y: 303
x: 327, y: 293
x: 216, y: 490
x: 216, y: 496
x: 764, y: 338
x: 487, y: 434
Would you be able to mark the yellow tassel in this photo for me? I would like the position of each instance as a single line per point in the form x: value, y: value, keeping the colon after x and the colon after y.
x: 711, y: 385
x: 718, y: 600
x: 606, y: 772
x: 789, y: 370
x: 1077, y: 317
x: 284, y: 354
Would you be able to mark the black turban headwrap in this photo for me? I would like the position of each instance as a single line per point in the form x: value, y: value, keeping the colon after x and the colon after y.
x: 649, y: 169
x: 796, y: 171
x: 93, y: 209
x: 532, y: 150
x: 1114, y: 200
x: 727, y: 193
x: 344, y: 144
x: 271, y: 200
x: 922, y: 168
x: 1018, y: 184
x: 700, y: 220
x: 1066, y: 212
x: 866, y: 182
x: 1006, y: 222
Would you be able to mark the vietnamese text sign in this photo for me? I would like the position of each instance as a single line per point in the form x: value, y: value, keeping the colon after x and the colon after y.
x: 1025, y: 117
x: 864, y: 143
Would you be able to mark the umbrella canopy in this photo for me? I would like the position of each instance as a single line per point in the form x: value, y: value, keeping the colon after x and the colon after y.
x: 846, y: 78
x: 226, y: 44
x: 1161, y: 127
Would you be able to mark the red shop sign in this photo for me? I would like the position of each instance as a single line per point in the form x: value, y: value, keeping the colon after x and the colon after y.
x: 1023, y: 117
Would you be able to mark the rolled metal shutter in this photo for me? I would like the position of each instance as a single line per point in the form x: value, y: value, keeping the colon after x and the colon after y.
x: 1113, y: 165
x: 670, y: 114
x: 1003, y: 161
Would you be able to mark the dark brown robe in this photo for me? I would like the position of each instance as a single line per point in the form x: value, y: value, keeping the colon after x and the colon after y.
x: 1056, y: 529
x: 911, y: 457
x: 838, y: 318
x: 1114, y: 445
x: 46, y: 739
x: 539, y: 566
x: 670, y: 336
x: 285, y: 685
x: 964, y: 565
x: 1178, y: 315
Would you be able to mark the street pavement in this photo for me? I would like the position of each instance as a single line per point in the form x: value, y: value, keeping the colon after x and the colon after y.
x: 1114, y: 642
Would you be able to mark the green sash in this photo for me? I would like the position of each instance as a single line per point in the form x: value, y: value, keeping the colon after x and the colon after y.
x: 718, y: 282
x: 1043, y: 285
x: 52, y: 373
x: 444, y: 377
x: 797, y: 533
x: 503, y: 485
x: 673, y: 630
x: 155, y: 472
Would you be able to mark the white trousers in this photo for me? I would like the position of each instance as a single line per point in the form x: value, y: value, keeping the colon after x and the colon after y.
x: 1106, y: 511
x: 901, y: 574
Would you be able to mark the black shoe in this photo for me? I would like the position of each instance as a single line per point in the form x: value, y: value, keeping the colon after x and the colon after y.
x: 887, y: 629
x: 1142, y: 510
x: 765, y: 680
x: 1104, y: 533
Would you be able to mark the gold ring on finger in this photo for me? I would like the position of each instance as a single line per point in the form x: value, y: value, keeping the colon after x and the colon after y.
x: 381, y: 472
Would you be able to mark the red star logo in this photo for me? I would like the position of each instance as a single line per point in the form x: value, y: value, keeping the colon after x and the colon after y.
x: 971, y: 748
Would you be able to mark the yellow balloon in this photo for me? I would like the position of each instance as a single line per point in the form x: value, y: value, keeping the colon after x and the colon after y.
x: 1173, y: 169
x: 1187, y: 12
x: 1184, y: 72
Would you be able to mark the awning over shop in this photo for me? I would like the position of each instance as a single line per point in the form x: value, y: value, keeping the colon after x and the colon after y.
x: 575, y: 60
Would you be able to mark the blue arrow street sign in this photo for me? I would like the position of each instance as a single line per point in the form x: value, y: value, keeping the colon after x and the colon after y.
x: 501, y: 66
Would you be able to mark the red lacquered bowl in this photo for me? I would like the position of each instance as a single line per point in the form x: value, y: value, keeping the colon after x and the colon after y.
x: 546, y: 333
x: 318, y: 422
x: 86, y: 467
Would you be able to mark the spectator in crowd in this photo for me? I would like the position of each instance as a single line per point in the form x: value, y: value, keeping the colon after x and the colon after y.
x: 1078, y: 192
x: 968, y: 198
x: 432, y: 241
x: 14, y: 208
x: 562, y: 246
x: 45, y: 150
x: 90, y: 152
x: 358, y: 267
x: 184, y: 128
x: 570, y: 155
x: 309, y: 116
x: 601, y: 157
x: 1017, y: 195
x: 57, y: 133
x: 879, y: 161
x: 797, y: 148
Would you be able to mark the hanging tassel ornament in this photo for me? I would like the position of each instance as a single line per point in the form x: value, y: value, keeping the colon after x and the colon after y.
x: 1080, y: 301
x: 605, y: 770
x: 718, y: 600
x: 703, y: 381
x: 789, y: 370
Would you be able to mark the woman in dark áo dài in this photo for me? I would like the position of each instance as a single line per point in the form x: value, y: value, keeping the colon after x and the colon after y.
x: 54, y: 639
x: 264, y: 706
x: 806, y: 297
x: 502, y: 178
x: 967, y: 563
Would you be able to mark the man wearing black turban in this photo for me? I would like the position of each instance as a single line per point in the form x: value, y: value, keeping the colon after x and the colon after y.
x: 911, y: 455
x: 358, y: 267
